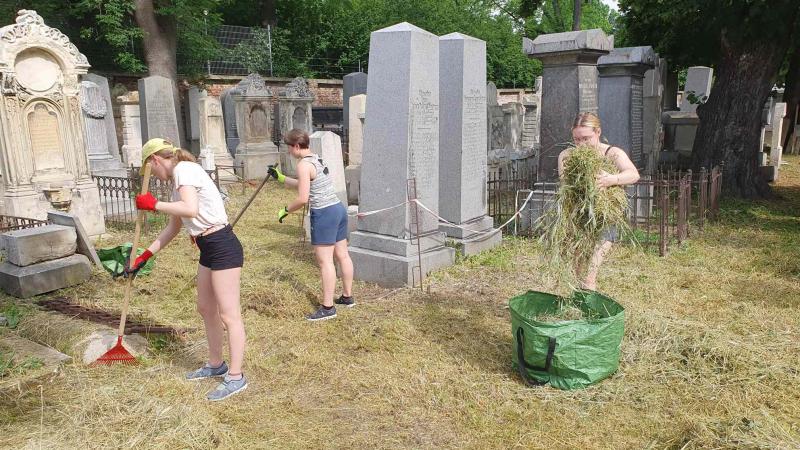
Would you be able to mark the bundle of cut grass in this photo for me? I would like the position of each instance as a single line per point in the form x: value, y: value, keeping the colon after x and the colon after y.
x: 581, y: 213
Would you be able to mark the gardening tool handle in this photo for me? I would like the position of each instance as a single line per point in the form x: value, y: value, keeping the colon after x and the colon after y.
x: 522, y: 365
x: 139, y: 219
x: 249, y: 201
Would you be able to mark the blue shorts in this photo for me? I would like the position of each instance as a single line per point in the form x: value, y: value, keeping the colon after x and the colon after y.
x: 328, y: 224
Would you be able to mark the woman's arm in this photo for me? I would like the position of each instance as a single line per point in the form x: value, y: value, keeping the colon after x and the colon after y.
x: 628, y: 173
x: 303, y: 184
x: 167, y: 234
x: 291, y: 182
x: 186, y: 207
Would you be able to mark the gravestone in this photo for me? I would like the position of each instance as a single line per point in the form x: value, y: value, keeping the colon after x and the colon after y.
x: 697, y: 88
x: 776, y: 148
x: 33, y: 245
x: 653, y: 131
x: 44, y: 160
x: 495, y: 126
x: 533, y: 118
x: 294, y: 111
x: 101, y: 134
x: 25, y: 282
x: 212, y: 137
x: 352, y: 84
x: 328, y: 145
x: 229, y: 116
x: 680, y: 128
x: 355, y: 145
x: 402, y: 143
x: 131, y: 128
x: 157, y: 109
x: 192, y: 114
x: 569, y: 86
x: 85, y: 246
x: 255, y: 151
x: 462, y: 144
x: 621, y: 97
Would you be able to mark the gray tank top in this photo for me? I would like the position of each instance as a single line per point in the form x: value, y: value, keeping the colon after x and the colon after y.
x: 321, y: 193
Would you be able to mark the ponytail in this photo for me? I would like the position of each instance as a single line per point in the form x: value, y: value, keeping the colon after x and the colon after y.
x: 177, y: 154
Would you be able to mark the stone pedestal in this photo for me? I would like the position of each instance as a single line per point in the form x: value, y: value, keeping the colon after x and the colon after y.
x: 569, y: 86
x: 679, y: 131
x: 25, y: 282
x: 621, y: 98
x: 33, y: 245
x: 402, y: 142
x: 462, y: 144
x: 255, y: 151
x: 294, y: 111
x: 43, y: 160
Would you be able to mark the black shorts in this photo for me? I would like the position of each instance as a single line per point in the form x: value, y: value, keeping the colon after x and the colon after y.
x: 220, y: 250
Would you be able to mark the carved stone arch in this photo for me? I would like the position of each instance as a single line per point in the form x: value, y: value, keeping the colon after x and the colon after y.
x: 45, y: 135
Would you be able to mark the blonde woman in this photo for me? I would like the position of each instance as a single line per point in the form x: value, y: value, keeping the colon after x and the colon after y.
x: 586, y: 130
x: 197, y: 205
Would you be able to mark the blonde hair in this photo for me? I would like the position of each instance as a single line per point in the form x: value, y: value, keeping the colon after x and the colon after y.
x: 177, y: 154
x: 587, y: 119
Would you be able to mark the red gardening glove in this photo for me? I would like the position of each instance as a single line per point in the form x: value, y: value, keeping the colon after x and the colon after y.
x: 146, y: 202
x: 138, y: 263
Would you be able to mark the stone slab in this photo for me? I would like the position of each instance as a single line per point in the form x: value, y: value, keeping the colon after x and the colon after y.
x: 391, y: 271
x: 473, y: 246
x: 158, y: 113
x: 570, y: 41
x: 98, y: 343
x: 25, y: 348
x: 467, y: 229
x: 328, y: 145
x: 355, y: 132
x: 25, y: 282
x: 354, y: 83
x: 85, y: 246
x: 698, y: 81
x: 33, y: 245
x: 396, y: 246
x: 352, y: 177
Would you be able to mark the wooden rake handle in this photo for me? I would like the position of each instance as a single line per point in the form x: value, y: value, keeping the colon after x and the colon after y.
x: 139, y: 219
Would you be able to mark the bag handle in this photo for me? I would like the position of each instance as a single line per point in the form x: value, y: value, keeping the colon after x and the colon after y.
x: 522, y: 365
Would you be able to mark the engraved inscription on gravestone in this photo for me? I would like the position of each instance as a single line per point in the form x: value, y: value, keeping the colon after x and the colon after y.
x: 44, y: 130
x: 474, y: 163
x: 299, y: 119
x: 259, y: 127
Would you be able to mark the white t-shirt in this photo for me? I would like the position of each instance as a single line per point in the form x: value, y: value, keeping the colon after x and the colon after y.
x: 211, y: 210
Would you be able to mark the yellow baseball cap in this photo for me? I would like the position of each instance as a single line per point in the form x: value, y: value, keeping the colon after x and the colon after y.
x: 153, y: 146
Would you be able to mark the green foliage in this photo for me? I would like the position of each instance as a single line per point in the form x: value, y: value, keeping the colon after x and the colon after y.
x: 9, y: 367
x: 12, y: 315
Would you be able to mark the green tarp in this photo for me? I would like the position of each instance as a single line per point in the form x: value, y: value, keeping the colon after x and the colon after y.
x: 115, y: 258
x: 568, y: 354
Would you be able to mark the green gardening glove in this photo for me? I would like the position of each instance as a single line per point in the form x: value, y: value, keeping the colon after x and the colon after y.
x: 282, y: 214
x: 275, y: 171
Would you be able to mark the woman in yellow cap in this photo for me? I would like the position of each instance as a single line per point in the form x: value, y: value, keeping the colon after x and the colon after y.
x: 197, y: 204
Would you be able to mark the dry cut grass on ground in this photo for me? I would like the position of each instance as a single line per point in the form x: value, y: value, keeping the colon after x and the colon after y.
x: 709, y: 358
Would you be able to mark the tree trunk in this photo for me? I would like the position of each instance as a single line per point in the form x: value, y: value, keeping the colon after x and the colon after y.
x: 160, y: 42
x: 576, y: 16
x: 730, y: 121
x: 791, y: 94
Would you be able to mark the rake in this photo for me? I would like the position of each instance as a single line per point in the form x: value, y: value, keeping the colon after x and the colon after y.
x: 118, y: 353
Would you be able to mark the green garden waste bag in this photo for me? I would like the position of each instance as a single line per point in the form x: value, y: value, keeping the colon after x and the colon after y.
x: 568, y: 354
x: 114, y: 259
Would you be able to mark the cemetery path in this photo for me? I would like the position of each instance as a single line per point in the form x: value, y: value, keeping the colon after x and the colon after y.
x: 708, y: 359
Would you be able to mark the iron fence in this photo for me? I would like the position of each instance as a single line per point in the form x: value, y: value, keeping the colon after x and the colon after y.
x: 663, y: 209
x: 12, y: 223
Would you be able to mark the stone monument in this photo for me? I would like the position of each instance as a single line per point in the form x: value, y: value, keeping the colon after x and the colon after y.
x: 255, y: 151
x: 229, y: 115
x: 352, y: 84
x: 402, y: 142
x: 355, y: 146
x: 697, y: 88
x: 157, y: 110
x: 211, y: 130
x: 462, y: 144
x: 653, y: 101
x: 101, y: 134
x: 131, y: 128
x: 621, y: 98
x: 192, y: 113
x: 294, y: 111
x: 43, y: 160
x: 569, y: 86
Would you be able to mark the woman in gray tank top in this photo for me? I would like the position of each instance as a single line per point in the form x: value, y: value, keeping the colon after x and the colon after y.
x: 314, y: 184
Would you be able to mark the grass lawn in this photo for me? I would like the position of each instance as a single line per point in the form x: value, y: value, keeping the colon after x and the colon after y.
x: 709, y: 360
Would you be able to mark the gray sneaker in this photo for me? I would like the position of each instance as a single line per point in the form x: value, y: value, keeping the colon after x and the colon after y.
x: 227, y: 388
x: 345, y: 301
x: 322, y: 314
x: 208, y: 372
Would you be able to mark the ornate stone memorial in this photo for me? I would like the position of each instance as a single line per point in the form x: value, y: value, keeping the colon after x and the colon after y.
x: 255, y: 150
x: 294, y: 111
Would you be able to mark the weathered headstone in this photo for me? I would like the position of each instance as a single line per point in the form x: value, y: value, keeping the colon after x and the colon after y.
x: 462, y: 144
x: 653, y: 131
x: 33, y: 245
x: 776, y: 148
x: 85, y: 246
x: 352, y: 84
x: 255, y: 151
x: 328, y: 145
x: 402, y: 142
x: 212, y: 136
x: 44, y: 159
x: 680, y: 128
x: 131, y: 128
x: 294, y: 111
x: 533, y: 118
x: 101, y: 134
x: 157, y: 109
x: 25, y: 282
x: 621, y: 97
x: 569, y: 86
x: 192, y: 113
x: 697, y: 88
x: 355, y: 145
x: 229, y: 115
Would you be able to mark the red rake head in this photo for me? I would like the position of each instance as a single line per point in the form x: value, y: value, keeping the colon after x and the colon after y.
x: 117, y: 354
